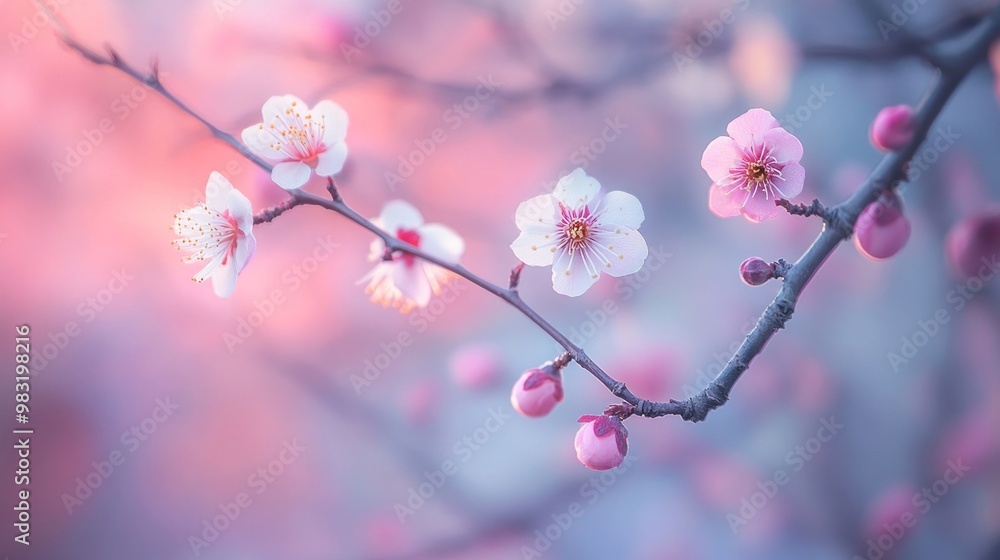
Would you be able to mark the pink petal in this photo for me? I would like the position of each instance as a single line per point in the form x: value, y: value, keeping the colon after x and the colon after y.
x: 621, y: 209
x: 334, y: 118
x: 723, y: 205
x: 760, y: 208
x: 576, y: 189
x: 441, y: 242
x: 290, y: 175
x: 573, y: 274
x: 749, y: 126
x: 398, y: 214
x: 784, y: 146
x: 224, y: 279
x: 331, y: 161
x: 721, y: 155
x: 793, y: 176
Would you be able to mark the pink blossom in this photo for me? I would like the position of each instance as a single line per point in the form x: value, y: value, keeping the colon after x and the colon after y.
x: 300, y: 139
x: 476, y: 366
x: 882, y: 230
x: 755, y: 165
x: 218, y: 231
x: 405, y: 281
x: 892, y: 128
x: 602, y: 442
x: 581, y: 233
x: 973, y: 244
x: 538, y: 391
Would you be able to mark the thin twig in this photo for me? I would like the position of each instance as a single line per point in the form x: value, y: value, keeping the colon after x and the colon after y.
x: 840, y: 221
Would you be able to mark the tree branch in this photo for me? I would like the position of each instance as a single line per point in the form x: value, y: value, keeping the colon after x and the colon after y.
x: 839, y: 221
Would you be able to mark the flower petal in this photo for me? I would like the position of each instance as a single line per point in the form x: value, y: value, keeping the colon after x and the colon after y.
x: 538, y: 214
x: 783, y: 145
x: 619, y: 208
x: 224, y: 279
x: 721, y: 155
x: 412, y: 282
x: 726, y: 205
x: 240, y: 210
x: 290, y: 175
x: 619, y: 252
x: 793, y: 176
x: 573, y: 273
x: 331, y: 160
x: 277, y: 107
x: 535, y: 249
x: 217, y: 192
x: 398, y: 214
x: 442, y: 242
x: 750, y: 126
x: 259, y: 138
x: 760, y: 208
x: 334, y: 119
x: 576, y: 189
x: 245, y: 248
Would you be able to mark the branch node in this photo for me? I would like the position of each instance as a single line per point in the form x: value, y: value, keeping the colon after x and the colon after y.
x: 515, y: 277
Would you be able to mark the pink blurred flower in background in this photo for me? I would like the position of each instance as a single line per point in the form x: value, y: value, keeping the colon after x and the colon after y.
x: 475, y: 366
x: 974, y: 243
x: 581, y: 233
x: 218, y: 231
x: 299, y: 139
x: 405, y: 281
x: 752, y: 167
x: 602, y: 442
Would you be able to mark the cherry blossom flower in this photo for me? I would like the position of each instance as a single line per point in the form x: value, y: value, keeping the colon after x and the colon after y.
x: 893, y: 128
x: 581, y: 233
x: 218, y: 231
x: 538, y: 390
x: 405, y: 281
x: 602, y: 442
x: 752, y: 167
x: 299, y: 139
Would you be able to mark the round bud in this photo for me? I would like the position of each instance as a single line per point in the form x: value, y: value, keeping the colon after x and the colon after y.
x: 756, y: 271
x: 602, y: 442
x: 537, y: 391
x: 892, y: 128
x: 882, y: 229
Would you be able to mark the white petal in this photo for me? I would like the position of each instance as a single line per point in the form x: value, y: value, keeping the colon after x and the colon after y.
x: 619, y: 252
x: 334, y: 119
x: 619, y: 208
x: 535, y: 249
x: 259, y: 139
x: 240, y: 210
x: 290, y: 175
x: 278, y: 106
x: 576, y: 189
x: 245, y: 248
x: 217, y: 192
x: 572, y: 273
x: 412, y: 282
x: 224, y: 279
x: 331, y: 160
x: 441, y: 242
x: 537, y: 214
x: 398, y: 214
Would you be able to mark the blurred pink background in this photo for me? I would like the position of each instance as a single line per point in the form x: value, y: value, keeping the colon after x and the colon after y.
x: 326, y: 465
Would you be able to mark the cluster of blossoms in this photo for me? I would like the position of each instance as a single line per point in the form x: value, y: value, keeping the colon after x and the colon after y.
x: 578, y: 231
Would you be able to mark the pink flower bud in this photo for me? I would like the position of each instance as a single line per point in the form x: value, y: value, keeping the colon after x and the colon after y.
x: 974, y: 243
x: 537, y: 391
x: 602, y: 442
x: 892, y: 128
x: 756, y: 271
x: 882, y: 229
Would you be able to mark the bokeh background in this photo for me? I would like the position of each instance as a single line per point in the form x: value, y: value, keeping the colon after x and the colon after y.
x: 85, y: 238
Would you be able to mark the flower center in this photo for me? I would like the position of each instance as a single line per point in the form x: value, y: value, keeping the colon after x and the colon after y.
x: 756, y: 172
x: 413, y: 238
x: 577, y: 230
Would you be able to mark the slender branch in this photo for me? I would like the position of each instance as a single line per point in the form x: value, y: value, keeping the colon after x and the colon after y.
x: 268, y: 214
x: 839, y: 220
